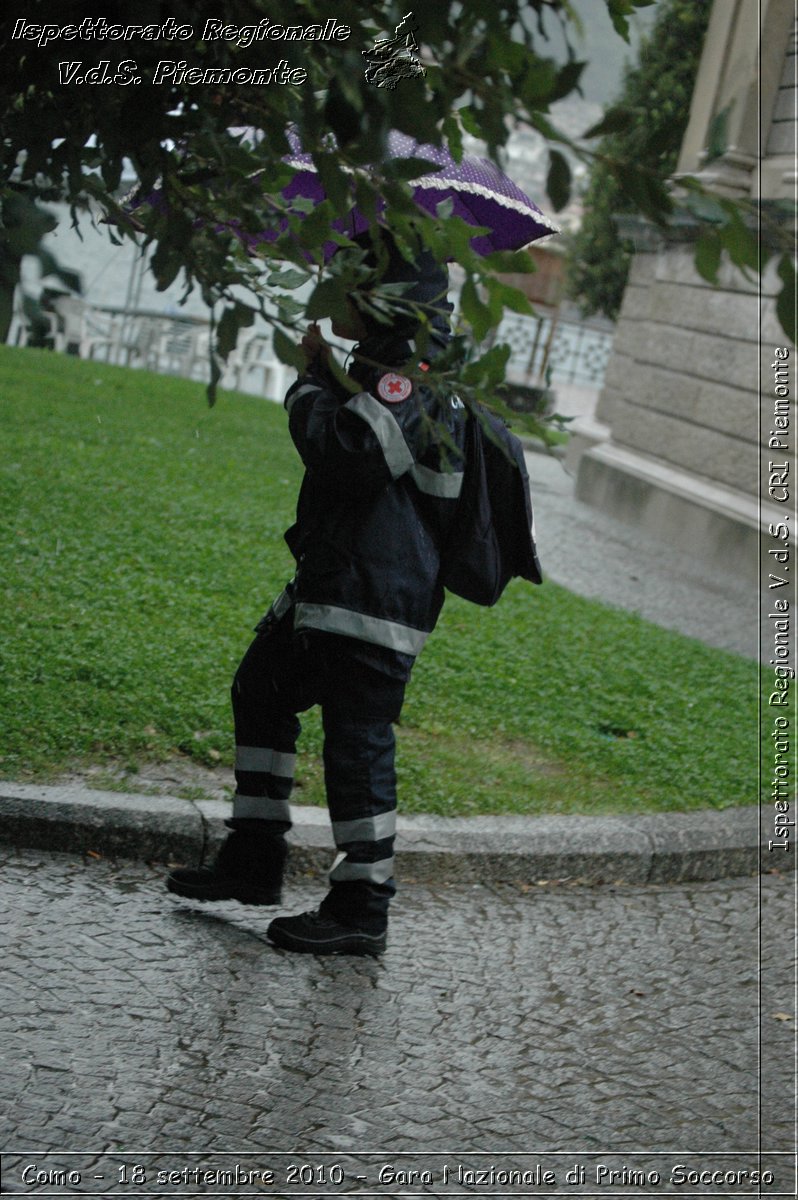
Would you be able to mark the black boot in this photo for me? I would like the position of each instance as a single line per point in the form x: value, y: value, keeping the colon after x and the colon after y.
x: 249, y: 868
x: 318, y: 933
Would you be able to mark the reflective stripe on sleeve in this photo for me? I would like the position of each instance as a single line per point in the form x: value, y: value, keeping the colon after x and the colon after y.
x: 447, y: 484
x: 403, y: 638
x: 364, y: 829
x: 281, y: 605
x: 376, y: 872
x: 261, y: 808
x: 277, y: 609
x: 386, y: 430
x: 265, y: 761
x: 301, y: 391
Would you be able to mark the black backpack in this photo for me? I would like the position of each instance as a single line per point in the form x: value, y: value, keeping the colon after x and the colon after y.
x: 491, y: 538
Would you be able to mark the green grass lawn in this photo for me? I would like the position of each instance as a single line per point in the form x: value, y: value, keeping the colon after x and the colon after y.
x: 142, y: 540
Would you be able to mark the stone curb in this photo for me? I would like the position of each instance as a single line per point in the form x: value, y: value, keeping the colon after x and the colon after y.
x: 661, y: 848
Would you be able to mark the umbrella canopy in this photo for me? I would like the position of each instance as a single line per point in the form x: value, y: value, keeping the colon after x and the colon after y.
x: 479, y: 193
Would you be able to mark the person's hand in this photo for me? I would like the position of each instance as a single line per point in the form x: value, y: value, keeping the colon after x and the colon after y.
x: 314, y: 347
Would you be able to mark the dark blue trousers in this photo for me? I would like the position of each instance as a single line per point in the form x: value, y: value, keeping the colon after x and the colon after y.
x: 284, y: 673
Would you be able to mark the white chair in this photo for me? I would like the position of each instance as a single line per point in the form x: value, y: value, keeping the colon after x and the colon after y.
x: 69, y: 312
x: 256, y: 357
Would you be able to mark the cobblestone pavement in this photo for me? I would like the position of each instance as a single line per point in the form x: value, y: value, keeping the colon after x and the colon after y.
x: 564, y: 1026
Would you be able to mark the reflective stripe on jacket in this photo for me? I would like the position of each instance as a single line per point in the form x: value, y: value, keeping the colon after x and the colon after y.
x: 378, y: 496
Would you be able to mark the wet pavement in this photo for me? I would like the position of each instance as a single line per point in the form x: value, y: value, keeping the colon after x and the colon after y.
x: 598, y: 556
x: 157, y: 1044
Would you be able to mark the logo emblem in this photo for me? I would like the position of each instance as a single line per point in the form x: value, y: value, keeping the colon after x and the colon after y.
x: 394, y: 388
x: 395, y: 58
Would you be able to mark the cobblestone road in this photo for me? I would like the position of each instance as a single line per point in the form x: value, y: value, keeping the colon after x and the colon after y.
x: 562, y: 1025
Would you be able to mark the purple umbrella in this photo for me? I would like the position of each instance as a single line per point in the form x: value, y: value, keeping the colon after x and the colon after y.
x: 479, y: 193
x: 477, y: 190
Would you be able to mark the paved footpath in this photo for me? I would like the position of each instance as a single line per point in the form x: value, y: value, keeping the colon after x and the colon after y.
x: 508, y: 1028
x: 599, y: 556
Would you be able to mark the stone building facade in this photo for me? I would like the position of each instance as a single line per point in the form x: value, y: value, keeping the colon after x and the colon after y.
x: 675, y: 446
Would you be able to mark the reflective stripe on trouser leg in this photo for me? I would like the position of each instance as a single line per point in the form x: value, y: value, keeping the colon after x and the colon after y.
x: 275, y: 680
x: 264, y: 779
x: 361, y: 794
x: 265, y: 745
x: 366, y: 846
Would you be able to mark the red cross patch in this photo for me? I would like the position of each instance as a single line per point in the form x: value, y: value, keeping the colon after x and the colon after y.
x: 394, y: 388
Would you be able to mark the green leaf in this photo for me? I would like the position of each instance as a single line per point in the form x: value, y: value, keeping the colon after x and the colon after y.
x: 620, y: 10
x: 544, y: 126
x: 539, y: 82
x: 51, y: 266
x: 287, y: 351
x: 342, y: 111
x: 474, y: 310
x: 112, y: 174
x: 454, y: 138
x: 213, y: 382
x: 288, y: 309
x: 234, y: 319
x: 366, y: 198
x: 328, y: 299
x: 302, y: 204
x: 706, y: 208
x: 25, y: 224
x: 314, y: 229
x: 511, y: 297
x: 504, y: 54
x: 288, y: 278
x: 741, y: 243
x: 644, y: 189
x: 335, y: 183
x: 785, y: 301
x: 470, y: 122
x: 707, y: 256
x: 409, y: 168
x: 451, y: 239
x: 490, y: 368
x: 718, y: 135
x: 615, y: 120
x: 165, y: 265
x: 558, y: 182
x: 510, y: 261
x: 567, y: 80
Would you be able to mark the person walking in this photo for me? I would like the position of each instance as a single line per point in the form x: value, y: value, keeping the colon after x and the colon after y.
x: 383, y: 472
